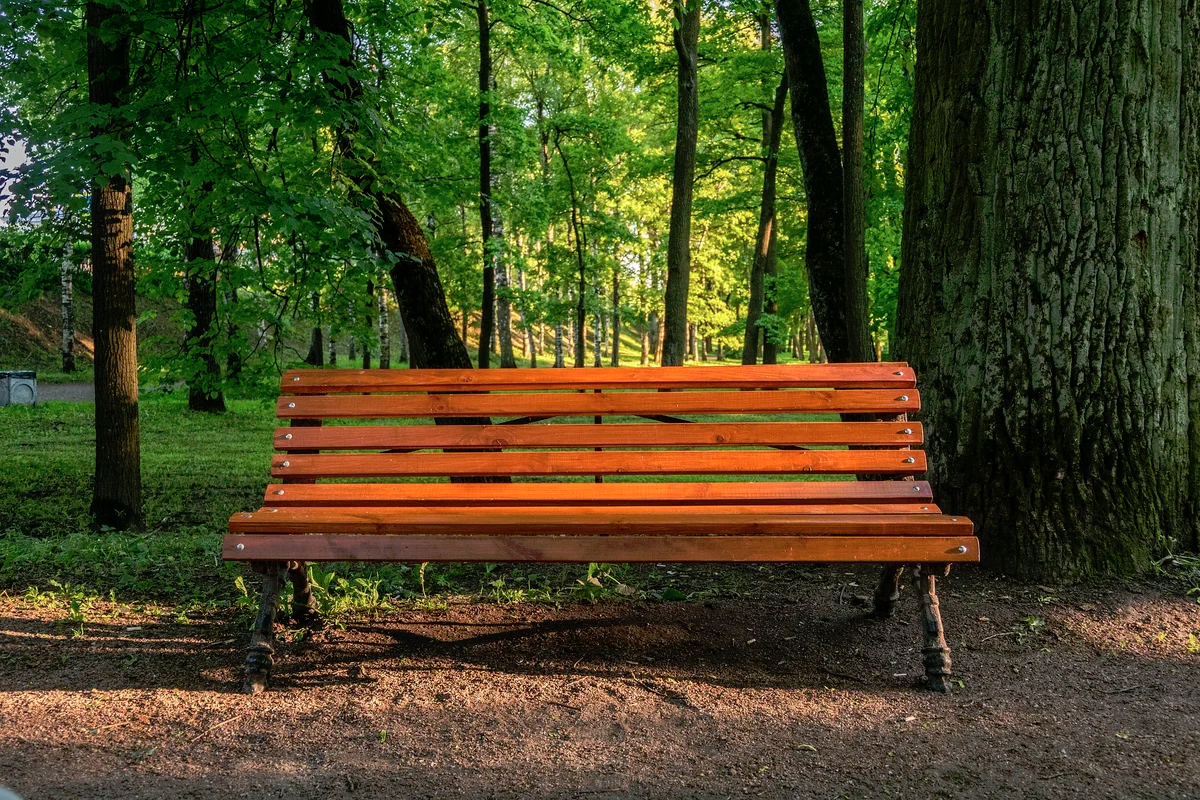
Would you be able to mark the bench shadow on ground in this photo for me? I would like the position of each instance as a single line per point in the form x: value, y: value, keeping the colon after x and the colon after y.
x: 692, y: 641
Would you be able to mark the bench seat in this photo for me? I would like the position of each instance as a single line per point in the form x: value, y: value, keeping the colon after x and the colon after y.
x: 510, y: 471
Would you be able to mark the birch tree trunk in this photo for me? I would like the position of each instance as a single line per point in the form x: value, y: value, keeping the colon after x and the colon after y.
x: 67, y: 307
x: 385, y: 330
x: 1048, y: 289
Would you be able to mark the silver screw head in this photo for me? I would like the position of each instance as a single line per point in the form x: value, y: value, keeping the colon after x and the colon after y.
x: 293, y: 405
x: 962, y: 548
x: 910, y: 460
x: 924, y: 508
x: 916, y: 488
x: 279, y: 491
x: 286, y: 464
x: 894, y: 373
x: 273, y: 510
x: 903, y: 398
x: 297, y: 379
x: 907, y: 431
x: 241, y: 546
x: 287, y: 436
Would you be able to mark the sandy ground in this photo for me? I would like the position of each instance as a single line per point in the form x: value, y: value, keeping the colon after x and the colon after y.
x: 1066, y: 693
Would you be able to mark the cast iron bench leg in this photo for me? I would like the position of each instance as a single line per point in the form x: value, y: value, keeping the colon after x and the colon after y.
x: 304, y: 605
x: 888, y: 590
x: 259, y: 656
x: 936, y: 652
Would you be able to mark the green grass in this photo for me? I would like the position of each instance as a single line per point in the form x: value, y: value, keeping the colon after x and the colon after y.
x: 197, y: 470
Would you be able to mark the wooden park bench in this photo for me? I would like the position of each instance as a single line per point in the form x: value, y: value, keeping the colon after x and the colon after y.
x: 782, y: 490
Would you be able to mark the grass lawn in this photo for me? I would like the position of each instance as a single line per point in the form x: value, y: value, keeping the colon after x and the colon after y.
x: 197, y: 470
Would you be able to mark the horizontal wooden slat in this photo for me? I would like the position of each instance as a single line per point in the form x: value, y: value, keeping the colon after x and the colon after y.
x: 624, y: 462
x: 759, y: 509
x: 818, y: 376
x: 598, y: 494
x: 387, y: 437
x: 579, y: 404
x: 659, y: 520
x: 585, y: 549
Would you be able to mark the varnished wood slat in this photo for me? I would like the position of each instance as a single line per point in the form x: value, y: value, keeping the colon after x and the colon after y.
x: 507, y: 494
x: 388, y: 437
x: 815, y: 401
x: 586, y: 549
x: 764, y: 509
x: 819, y: 376
x: 645, y: 521
x: 638, y: 462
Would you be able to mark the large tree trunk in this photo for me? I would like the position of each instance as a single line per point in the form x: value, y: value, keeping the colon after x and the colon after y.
x: 432, y: 337
x: 822, y: 167
x: 117, y: 491
x: 67, y: 306
x: 204, y: 371
x: 1047, y: 291
x: 687, y: 128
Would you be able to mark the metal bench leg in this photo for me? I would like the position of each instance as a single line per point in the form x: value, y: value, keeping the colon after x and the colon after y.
x: 304, y: 605
x: 888, y: 590
x: 935, y: 651
x: 260, y: 654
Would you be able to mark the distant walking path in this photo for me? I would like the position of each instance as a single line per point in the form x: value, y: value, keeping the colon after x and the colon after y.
x: 71, y: 392
x: 78, y: 392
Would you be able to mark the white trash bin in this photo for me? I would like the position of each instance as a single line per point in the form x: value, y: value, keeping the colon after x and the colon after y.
x: 18, y: 388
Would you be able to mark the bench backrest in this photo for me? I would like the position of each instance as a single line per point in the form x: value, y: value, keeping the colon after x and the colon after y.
x: 723, y: 432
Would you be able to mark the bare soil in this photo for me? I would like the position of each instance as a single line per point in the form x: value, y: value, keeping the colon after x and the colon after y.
x: 1085, y: 691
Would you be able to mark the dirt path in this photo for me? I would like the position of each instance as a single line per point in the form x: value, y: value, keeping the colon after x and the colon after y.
x: 1082, y: 692
x: 71, y: 392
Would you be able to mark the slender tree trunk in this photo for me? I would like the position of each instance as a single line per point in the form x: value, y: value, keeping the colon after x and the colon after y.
x: 616, y: 317
x: 370, y: 308
x: 67, y: 306
x: 1047, y: 290
x: 765, y: 240
x: 316, y: 345
x: 204, y: 378
x: 686, y: 36
x: 577, y: 227
x: 117, y: 490
x: 332, y: 349
x: 385, y: 339
x: 645, y: 342
x: 854, y: 251
x: 490, y: 248
x: 821, y: 164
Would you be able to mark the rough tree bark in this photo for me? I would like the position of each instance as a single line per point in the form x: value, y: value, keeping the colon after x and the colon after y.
x: 822, y: 168
x: 687, y: 127
x: 432, y: 338
x: 1049, y: 276
x: 117, y: 491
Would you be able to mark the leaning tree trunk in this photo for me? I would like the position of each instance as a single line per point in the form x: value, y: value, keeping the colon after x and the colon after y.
x: 822, y: 168
x: 67, y: 306
x: 687, y: 128
x: 432, y: 338
x: 117, y: 491
x: 1049, y: 276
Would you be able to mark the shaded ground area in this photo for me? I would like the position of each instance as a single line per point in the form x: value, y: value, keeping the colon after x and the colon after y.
x: 73, y: 392
x: 1065, y: 692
